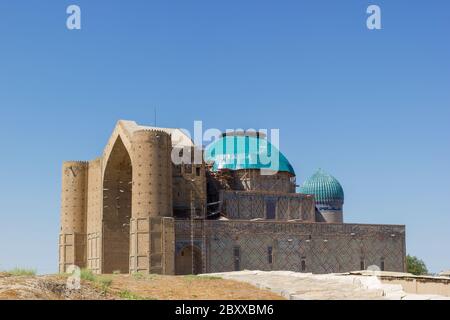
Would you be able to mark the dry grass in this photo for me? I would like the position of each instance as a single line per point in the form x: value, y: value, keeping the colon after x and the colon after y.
x: 47, y: 288
x: 22, y: 272
x: 187, y: 288
x: 129, y: 287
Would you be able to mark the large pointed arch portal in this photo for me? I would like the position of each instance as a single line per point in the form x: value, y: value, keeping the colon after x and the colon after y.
x: 117, y: 188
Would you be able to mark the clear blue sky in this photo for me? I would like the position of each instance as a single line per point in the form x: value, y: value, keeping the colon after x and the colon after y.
x: 370, y: 107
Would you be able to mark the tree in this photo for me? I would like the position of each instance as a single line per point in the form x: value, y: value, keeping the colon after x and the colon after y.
x: 416, y: 266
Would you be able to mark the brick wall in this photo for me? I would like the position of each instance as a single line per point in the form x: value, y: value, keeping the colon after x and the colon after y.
x: 251, y: 205
x: 302, y: 247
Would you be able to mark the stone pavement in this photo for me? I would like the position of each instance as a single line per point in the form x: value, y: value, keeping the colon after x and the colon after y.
x: 306, y: 286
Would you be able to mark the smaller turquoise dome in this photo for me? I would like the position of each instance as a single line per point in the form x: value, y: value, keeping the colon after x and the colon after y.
x: 325, y: 188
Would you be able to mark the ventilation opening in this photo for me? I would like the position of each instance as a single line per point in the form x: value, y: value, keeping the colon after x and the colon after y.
x: 271, y: 208
x: 237, y: 258
x: 270, y: 255
x: 303, y: 264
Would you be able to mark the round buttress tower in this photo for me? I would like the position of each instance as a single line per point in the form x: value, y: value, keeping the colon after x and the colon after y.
x: 151, y: 200
x: 73, y: 215
x: 152, y: 174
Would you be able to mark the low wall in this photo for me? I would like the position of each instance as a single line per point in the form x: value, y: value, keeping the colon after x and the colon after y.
x: 420, y: 285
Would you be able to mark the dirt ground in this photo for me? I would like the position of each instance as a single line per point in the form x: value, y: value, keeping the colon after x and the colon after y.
x: 129, y: 287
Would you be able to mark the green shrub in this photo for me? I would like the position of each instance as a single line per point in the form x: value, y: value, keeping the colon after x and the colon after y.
x: 416, y: 266
x: 151, y: 276
x: 138, y: 276
x: 210, y: 278
x: 104, y: 282
x: 87, y: 275
x: 127, y: 295
x: 192, y: 277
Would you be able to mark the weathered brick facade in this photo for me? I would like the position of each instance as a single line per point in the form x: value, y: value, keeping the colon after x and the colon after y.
x: 294, y: 246
x: 134, y: 210
x: 248, y: 205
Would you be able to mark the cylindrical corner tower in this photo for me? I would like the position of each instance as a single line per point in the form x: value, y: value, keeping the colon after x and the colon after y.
x: 72, y: 241
x: 151, y: 200
x: 152, y: 174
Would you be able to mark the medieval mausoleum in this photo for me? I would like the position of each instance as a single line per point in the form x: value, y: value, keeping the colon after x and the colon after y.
x: 134, y: 209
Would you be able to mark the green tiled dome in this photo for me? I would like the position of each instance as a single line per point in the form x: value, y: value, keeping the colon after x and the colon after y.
x: 244, y: 152
x: 325, y: 188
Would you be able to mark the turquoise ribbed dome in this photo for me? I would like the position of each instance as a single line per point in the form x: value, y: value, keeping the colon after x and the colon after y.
x: 325, y: 188
x: 244, y: 152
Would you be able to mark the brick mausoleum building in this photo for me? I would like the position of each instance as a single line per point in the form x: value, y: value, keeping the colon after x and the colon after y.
x: 134, y: 210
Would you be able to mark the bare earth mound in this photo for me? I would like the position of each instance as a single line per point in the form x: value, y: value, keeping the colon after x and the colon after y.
x: 46, y: 288
x: 125, y: 287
